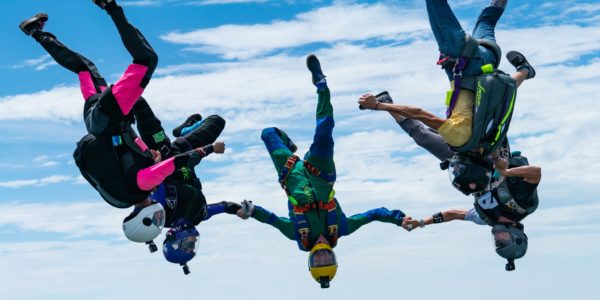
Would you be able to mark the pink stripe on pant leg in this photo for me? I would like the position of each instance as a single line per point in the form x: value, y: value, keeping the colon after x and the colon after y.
x: 127, y: 90
x: 86, y: 84
x: 152, y: 176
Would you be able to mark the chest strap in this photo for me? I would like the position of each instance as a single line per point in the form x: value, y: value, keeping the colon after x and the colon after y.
x: 302, y: 226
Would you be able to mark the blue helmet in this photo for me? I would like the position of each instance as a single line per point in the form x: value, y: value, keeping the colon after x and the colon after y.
x: 180, y: 244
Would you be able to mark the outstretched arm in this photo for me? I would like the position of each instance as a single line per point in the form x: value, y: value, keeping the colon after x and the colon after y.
x: 284, y: 225
x: 381, y: 214
x: 221, y: 207
x: 443, y: 217
x: 369, y: 101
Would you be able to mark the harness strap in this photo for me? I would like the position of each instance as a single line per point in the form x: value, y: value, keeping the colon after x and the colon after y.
x: 470, y: 46
x: 300, y: 209
x: 285, y: 171
x: 302, y: 225
x: 330, y: 178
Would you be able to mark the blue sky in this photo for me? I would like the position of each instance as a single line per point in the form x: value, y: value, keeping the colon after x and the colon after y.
x: 244, y: 60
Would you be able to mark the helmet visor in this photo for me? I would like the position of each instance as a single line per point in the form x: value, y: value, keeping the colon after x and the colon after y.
x: 158, y: 218
x: 321, y: 258
x: 189, y: 244
x: 502, y: 239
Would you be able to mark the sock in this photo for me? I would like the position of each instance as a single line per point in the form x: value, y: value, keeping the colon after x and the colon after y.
x: 499, y: 3
x: 322, y: 84
x: 525, y: 67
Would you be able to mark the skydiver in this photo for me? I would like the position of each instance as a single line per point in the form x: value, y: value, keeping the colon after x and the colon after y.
x: 111, y: 157
x: 316, y: 219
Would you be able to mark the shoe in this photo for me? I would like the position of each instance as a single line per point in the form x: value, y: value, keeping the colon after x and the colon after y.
x: 103, y: 3
x: 191, y: 120
x: 518, y: 61
x: 314, y: 66
x: 34, y: 23
x: 287, y: 141
x: 383, y: 97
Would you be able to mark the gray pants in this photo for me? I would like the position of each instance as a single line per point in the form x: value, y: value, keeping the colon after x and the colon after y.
x: 427, y: 138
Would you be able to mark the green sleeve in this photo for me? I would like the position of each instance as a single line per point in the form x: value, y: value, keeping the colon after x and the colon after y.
x: 379, y: 214
x: 284, y: 225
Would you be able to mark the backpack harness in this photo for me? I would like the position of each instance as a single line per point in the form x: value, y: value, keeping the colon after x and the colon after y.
x: 330, y: 206
x: 490, y: 125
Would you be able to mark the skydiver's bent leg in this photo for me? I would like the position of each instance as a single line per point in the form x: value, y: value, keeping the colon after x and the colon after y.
x: 127, y: 90
x: 320, y: 154
x: 278, y: 144
x: 427, y: 138
x: 90, y: 80
x: 205, y: 132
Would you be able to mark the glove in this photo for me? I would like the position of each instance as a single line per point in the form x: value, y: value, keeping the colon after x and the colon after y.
x: 232, y: 207
x: 247, y: 209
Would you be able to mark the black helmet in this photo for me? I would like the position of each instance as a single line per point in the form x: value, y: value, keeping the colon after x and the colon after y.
x: 510, y: 242
x: 468, y: 176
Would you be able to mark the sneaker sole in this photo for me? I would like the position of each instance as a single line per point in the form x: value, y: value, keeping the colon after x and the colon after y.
x: 43, y: 17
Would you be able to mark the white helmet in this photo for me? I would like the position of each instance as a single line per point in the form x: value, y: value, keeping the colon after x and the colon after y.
x: 144, y: 225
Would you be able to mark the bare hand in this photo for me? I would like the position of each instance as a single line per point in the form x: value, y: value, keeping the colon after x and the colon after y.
x: 409, y: 224
x: 156, y: 156
x: 219, y: 147
x: 367, y: 101
x: 240, y: 213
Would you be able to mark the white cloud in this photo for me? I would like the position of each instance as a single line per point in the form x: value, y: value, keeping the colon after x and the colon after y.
x: 38, y: 64
x: 54, y: 179
x: 246, y: 41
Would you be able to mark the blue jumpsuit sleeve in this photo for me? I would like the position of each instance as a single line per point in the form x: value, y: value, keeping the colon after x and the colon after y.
x: 214, y: 209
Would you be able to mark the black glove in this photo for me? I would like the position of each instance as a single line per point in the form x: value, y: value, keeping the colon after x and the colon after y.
x: 232, y: 207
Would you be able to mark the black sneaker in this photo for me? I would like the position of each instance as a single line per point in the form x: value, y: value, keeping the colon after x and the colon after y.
x: 313, y: 65
x: 191, y: 120
x: 34, y: 23
x: 518, y: 61
x: 383, y: 97
x: 103, y: 3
